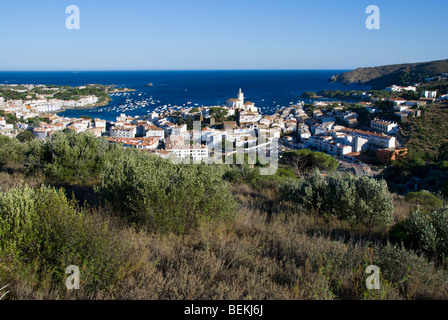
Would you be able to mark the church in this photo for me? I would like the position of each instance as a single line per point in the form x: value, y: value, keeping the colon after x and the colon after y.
x: 239, y: 103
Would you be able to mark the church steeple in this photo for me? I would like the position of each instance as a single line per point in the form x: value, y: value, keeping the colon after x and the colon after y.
x: 241, y: 96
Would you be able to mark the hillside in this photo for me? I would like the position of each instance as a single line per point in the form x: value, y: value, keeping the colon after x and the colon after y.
x: 140, y: 227
x: 399, y: 74
x: 427, y: 133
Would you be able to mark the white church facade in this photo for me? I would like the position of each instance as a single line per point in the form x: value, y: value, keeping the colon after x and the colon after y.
x: 239, y: 103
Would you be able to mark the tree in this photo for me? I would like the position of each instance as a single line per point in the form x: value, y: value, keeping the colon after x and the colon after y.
x: 443, y: 151
x: 218, y: 113
x: 10, y: 118
x: 304, y: 161
x: 36, y: 123
x: 68, y: 157
x: 25, y: 136
x: 11, y: 151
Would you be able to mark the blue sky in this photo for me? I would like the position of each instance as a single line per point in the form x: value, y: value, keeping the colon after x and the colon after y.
x: 219, y: 34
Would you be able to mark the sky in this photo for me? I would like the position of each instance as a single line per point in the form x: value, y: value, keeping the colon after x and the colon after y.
x: 219, y: 34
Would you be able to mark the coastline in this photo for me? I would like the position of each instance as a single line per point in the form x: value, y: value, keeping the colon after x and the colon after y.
x: 90, y: 106
x: 102, y: 103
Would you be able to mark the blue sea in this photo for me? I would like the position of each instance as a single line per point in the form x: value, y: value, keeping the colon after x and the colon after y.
x: 267, y: 89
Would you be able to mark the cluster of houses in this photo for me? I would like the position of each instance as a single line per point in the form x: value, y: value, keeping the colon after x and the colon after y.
x: 197, y: 143
x: 320, y: 132
x: 333, y: 131
x: 43, y: 103
x: 329, y: 128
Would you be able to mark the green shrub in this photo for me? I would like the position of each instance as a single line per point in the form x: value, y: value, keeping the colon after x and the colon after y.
x: 42, y: 233
x: 68, y: 156
x: 11, y: 151
x: 305, y: 161
x: 242, y: 173
x: 412, y: 275
x: 160, y: 195
x: 358, y: 200
x: 424, y: 198
x: 429, y: 231
x: 25, y: 136
x: 398, y: 233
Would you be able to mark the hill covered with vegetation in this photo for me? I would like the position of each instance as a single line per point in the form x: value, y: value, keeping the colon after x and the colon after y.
x: 141, y: 227
x: 426, y: 164
x: 398, y: 74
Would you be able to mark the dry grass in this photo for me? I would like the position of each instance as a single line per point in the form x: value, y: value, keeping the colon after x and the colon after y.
x: 402, y: 209
x: 253, y: 259
x: 270, y: 251
x: 9, y: 180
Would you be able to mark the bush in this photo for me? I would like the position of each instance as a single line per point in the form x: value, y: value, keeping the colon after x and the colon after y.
x: 305, y: 161
x: 242, y: 173
x: 68, y: 157
x: 11, y: 151
x: 159, y: 195
x: 424, y: 198
x: 413, y: 276
x: 25, y: 136
x: 42, y: 233
x: 429, y: 231
x: 358, y: 200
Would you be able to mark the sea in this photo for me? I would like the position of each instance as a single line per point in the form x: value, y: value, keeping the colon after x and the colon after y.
x: 268, y: 89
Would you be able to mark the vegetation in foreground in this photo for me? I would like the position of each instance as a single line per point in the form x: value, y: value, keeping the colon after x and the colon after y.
x: 140, y: 227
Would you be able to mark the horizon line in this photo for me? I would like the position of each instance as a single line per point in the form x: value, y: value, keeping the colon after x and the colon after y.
x: 150, y: 70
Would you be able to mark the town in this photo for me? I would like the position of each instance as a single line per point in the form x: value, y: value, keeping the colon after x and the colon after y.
x: 359, y: 134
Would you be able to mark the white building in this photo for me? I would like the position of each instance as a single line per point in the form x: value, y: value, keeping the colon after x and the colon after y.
x: 429, y: 94
x: 154, y: 131
x: 249, y: 117
x: 40, y: 133
x: 239, y: 103
x: 212, y: 137
x: 387, y: 127
x: 303, y: 133
x: 395, y: 88
x: 318, y: 129
x: 374, y: 139
x: 47, y: 108
x: 101, y: 124
x: 178, y: 130
x: 138, y: 143
x: 196, y: 152
x: 123, y: 131
x: 328, y: 145
x: 401, y: 108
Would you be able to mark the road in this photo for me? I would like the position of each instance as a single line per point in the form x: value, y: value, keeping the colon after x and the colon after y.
x: 356, y: 167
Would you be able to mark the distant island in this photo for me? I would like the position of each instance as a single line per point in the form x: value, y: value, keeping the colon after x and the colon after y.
x: 150, y: 84
x: 399, y: 74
